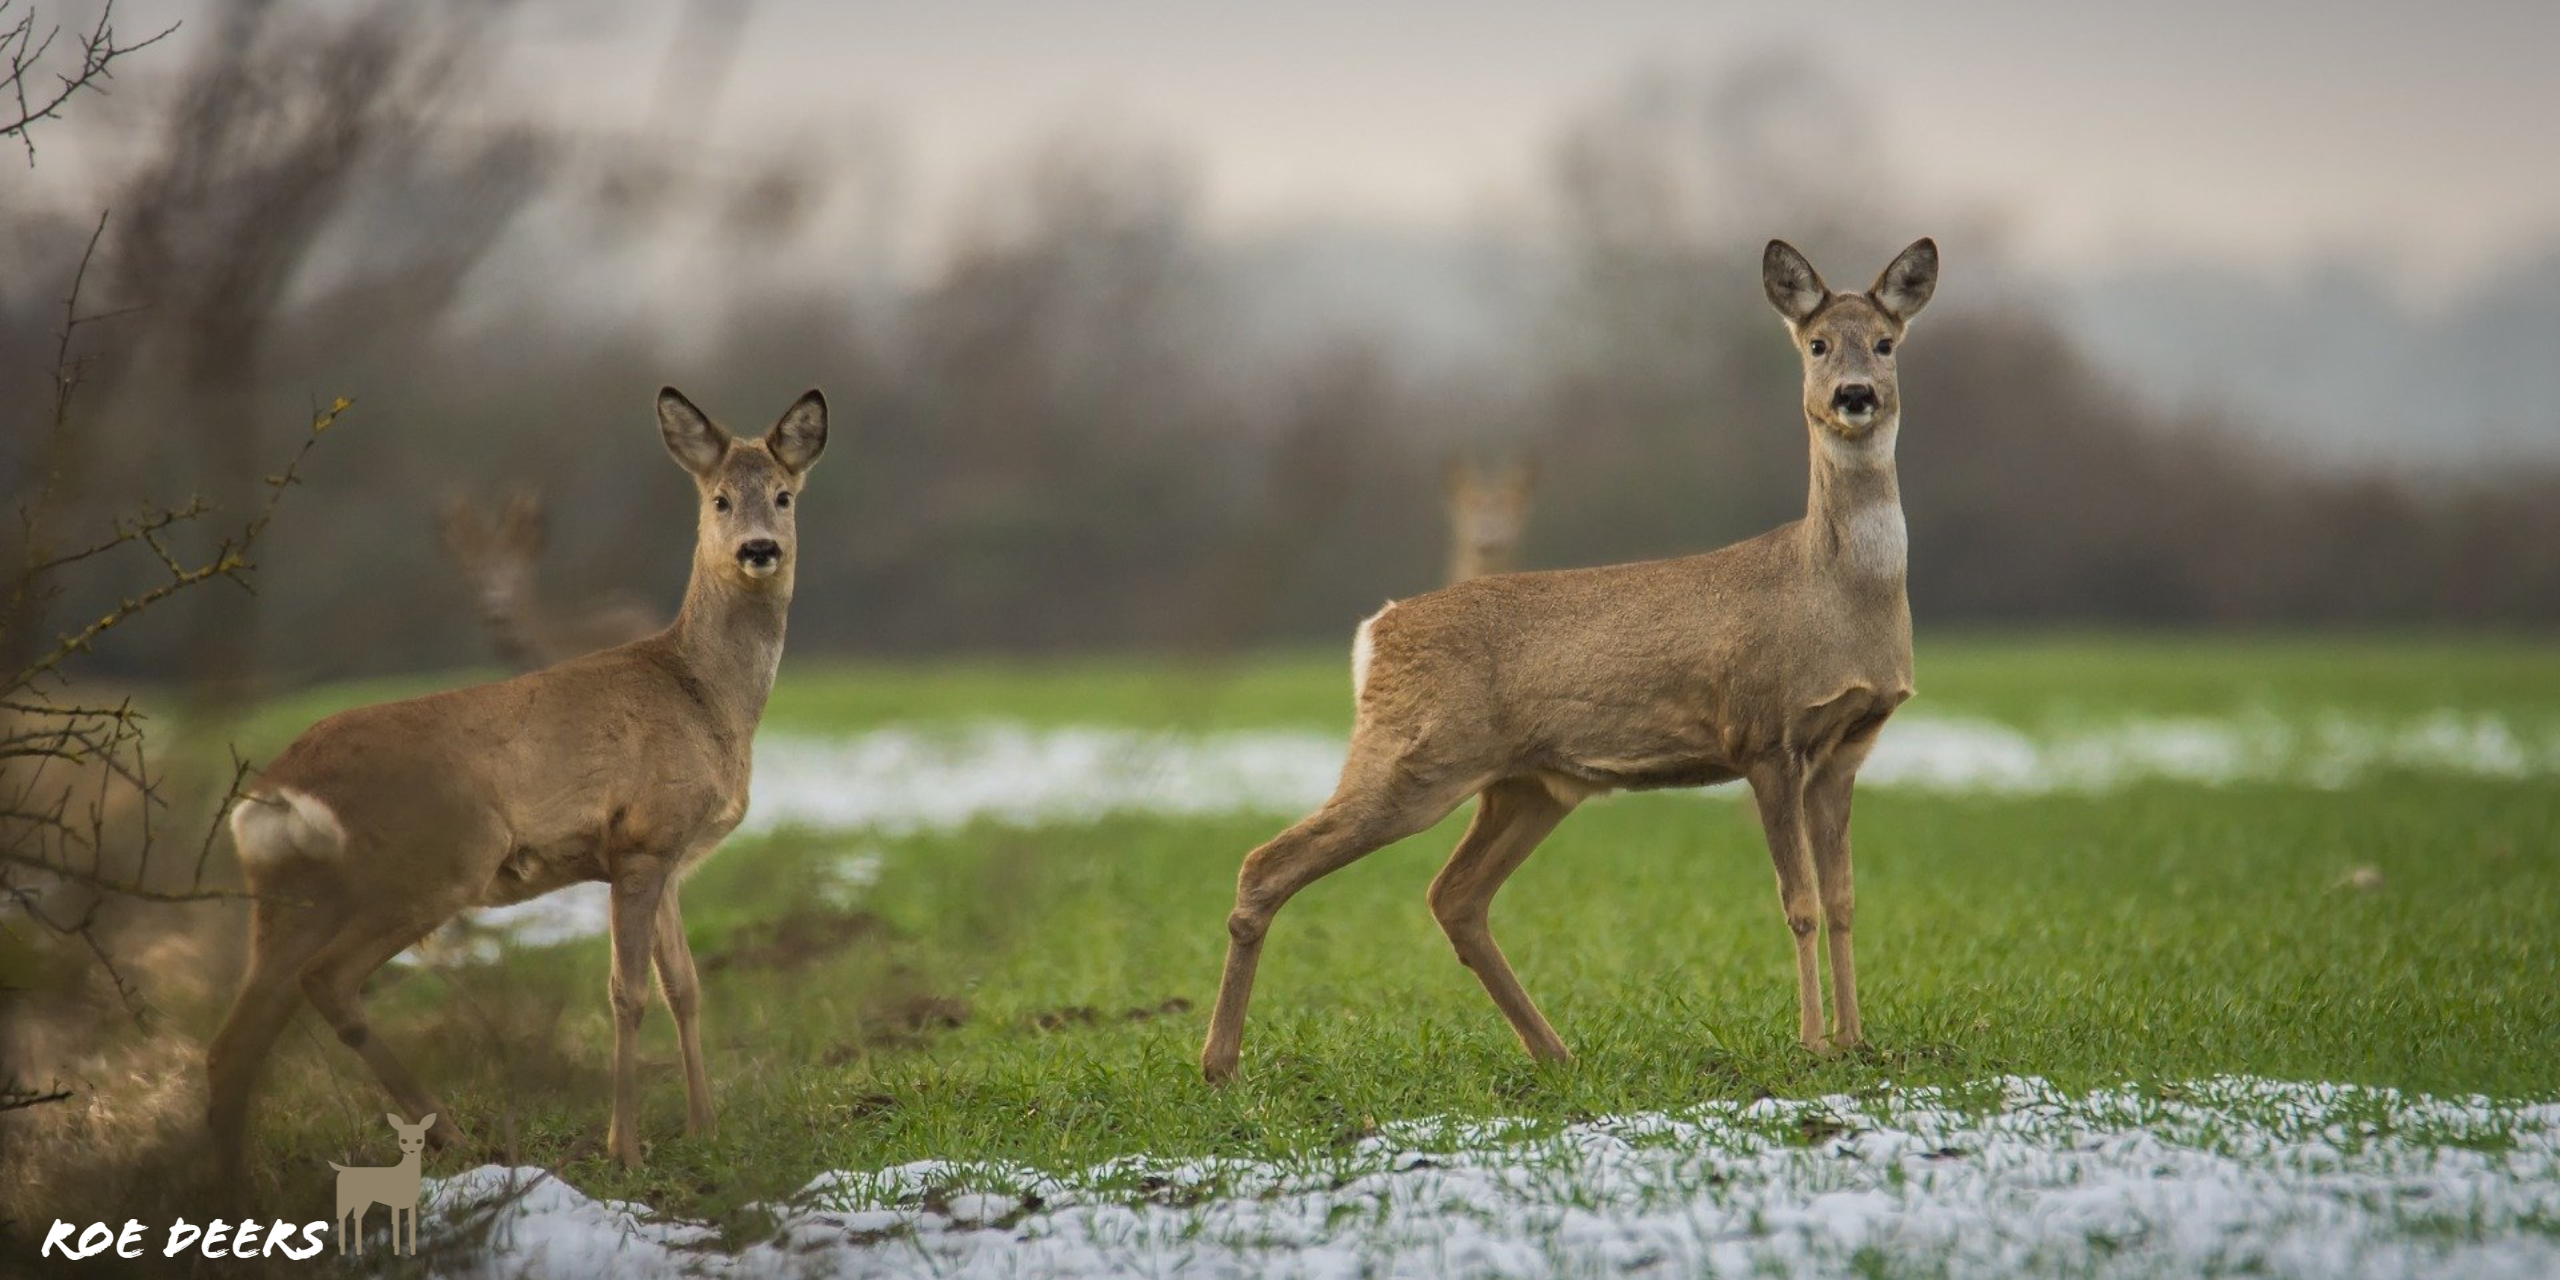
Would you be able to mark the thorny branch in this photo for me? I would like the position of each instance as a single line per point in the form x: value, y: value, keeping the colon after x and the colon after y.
x: 23, y: 46
x: 81, y: 805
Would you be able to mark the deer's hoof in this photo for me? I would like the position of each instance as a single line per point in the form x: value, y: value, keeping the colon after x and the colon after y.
x: 1820, y: 1048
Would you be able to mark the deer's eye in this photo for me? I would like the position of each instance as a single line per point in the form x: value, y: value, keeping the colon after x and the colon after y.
x: 720, y: 503
x: 782, y: 499
x: 1884, y: 346
x: 1818, y: 347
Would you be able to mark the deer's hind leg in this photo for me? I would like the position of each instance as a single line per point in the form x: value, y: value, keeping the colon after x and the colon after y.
x: 334, y: 979
x: 1380, y: 800
x: 1512, y: 816
x: 281, y: 939
x: 383, y: 921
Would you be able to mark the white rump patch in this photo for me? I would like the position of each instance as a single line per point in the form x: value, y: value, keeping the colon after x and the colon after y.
x: 267, y: 829
x: 1362, y: 650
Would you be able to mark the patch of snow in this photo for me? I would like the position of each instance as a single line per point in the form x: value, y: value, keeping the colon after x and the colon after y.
x: 902, y: 780
x: 906, y: 780
x: 2234, y: 1175
x: 844, y: 880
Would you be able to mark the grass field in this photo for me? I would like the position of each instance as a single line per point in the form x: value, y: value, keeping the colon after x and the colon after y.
x: 1024, y: 998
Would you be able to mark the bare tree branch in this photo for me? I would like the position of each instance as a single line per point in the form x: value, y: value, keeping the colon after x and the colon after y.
x: 80, y: 804
x: 24, y: 43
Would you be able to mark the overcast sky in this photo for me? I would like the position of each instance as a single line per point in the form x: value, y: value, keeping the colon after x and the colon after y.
x: 2260, y: 134
x: 2247, y: 132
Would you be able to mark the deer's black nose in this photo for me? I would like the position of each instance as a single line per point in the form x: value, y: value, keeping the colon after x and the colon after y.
x: 1853, y: 397
x: 759, y: 552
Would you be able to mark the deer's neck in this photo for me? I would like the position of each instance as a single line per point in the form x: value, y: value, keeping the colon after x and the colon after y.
x: 516, y: 631
x: 729, y: 636
x: 1853, y: 508
x: 1475, y: 560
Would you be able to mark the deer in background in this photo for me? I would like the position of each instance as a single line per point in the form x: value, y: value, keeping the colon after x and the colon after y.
x: 498, y: 556
x: 1774, y: 660
x: 626, y: 766
x: 1488, y: 511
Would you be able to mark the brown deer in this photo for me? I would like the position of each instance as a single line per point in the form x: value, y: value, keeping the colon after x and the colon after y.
x: 499, y: 555
x: 626, y: 766
x: 1488, y: 511
x: 1774, y: 660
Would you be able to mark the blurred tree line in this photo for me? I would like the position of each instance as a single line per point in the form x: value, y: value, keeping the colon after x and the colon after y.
x: 1066, y: 427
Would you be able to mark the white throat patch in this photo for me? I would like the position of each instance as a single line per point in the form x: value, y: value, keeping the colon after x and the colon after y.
x: 1875, y: 541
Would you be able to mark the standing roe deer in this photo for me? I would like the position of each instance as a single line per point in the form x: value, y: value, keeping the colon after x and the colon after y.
x: 1488, y: 511
x: 499, y: 557
x: 626, y: 766
x: 1775, y: 660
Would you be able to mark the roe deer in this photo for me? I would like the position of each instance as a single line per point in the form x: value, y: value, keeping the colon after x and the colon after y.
x: 1488, y: 510
x: 1775, y: 660
x: 499, y: 556
x: 626, y: 766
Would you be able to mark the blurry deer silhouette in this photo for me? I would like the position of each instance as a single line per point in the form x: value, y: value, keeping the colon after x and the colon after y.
x: 1488, y: 511
x: 500, y: 556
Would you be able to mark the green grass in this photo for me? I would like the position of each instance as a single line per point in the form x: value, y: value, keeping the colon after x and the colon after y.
x: 2157, y: 934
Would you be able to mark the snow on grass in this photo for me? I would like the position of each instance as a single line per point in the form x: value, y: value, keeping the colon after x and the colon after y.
x: 2234, y: 1175
x: 900, y: 780
x: 903, y: 780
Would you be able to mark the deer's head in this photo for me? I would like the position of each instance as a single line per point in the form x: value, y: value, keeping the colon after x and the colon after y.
x: 1489, y: 507
x: 413, y: 1137
x: 497, y: 555
x: 748, y: 529
x: 1848, y: 341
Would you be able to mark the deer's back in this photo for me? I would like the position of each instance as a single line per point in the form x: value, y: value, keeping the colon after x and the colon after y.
x: 530, y: 783
x: 1658, y: 673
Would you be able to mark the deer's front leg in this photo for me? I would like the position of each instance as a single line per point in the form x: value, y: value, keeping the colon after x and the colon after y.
x: 682, y: 987
x: 1780, y: 790
x: 1827, y: 804
x: 1827, y: 813
x: 638, y: 884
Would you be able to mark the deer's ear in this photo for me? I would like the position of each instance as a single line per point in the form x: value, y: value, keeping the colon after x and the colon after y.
x: 461, y: 524
x: 801, y: 436
x: 394, y: 1118
x: 427, y: 1121
x: 1908, y: 281
x: 524, y: 520
x: 697, y: 442
x: 1794, y: 287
